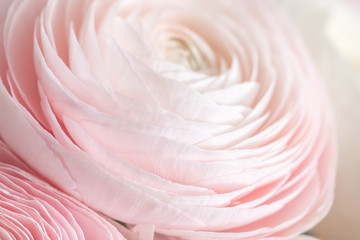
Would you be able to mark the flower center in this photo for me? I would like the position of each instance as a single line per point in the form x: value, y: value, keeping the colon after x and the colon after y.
x: 178, y: 51
x: 188, y: 50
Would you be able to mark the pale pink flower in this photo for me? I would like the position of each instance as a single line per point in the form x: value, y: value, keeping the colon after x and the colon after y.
x: 31, y: 209
x: 203, y: 119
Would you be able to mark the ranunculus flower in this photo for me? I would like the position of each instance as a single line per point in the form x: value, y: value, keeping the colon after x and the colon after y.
x: 206, y: 119
x: 31, y: 209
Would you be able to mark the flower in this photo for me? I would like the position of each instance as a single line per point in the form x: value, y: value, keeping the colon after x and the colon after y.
x: 205, y: 120
x: 31, y: 209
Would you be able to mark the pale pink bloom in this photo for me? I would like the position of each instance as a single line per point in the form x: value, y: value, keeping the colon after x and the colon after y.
x: 31, y: 209
x: 201, y: 119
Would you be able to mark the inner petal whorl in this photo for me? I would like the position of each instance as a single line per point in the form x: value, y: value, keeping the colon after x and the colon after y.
x: 189, y: 50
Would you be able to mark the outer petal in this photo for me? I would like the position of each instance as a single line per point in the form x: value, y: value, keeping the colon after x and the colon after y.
x: 4, y: 6
x: 316, y: 19
x: 31, y: 209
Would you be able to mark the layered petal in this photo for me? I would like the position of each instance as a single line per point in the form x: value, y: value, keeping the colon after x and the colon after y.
x: 145, y: 114
x: 32, y: 209
x: 330, y: 29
